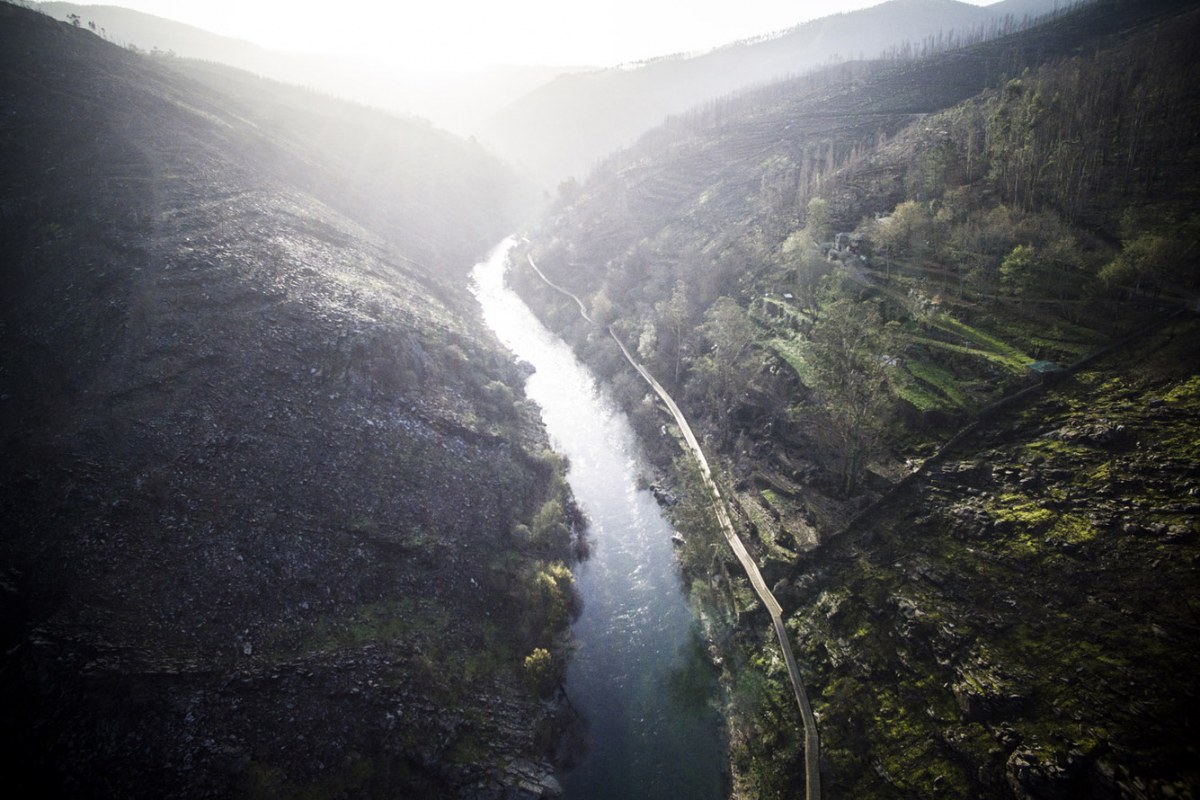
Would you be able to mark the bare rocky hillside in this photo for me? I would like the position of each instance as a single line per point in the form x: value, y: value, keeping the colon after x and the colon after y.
x: 263, y: 468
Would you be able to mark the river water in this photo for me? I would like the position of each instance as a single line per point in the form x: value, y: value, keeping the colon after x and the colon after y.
x: 638, y: 678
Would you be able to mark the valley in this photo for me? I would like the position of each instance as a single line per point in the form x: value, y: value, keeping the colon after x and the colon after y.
x: 833, y: 436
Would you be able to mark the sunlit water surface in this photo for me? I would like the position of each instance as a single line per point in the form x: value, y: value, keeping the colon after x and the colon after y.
x: 638, y: 678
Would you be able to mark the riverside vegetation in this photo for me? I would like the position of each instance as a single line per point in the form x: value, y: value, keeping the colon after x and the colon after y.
x: 836, y: 273
x: 278, y: 519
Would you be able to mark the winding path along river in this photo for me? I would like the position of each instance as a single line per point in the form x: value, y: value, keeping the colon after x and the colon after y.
x: 639, y: 678
x: 812, y: 755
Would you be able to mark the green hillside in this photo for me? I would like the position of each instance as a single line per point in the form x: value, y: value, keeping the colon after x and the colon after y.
x: 838, y: 273
x: 980, y: 250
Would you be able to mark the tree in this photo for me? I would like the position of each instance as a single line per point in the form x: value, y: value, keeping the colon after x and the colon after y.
x: 541, y: 671
x: 805, y: 259
x: 676, y: 313
x: 819, y: 221
x: 704, y: 551
x: 647, y: 341
x: 1154, y: 259
x: 550, y: 601
x: 726, y: 369
x: 936, y: 169
x: 1018, y: 269
x: 549, y: 529
x: 907, y: 230
x: 849, y: 370
x: 568, y: 192
x: 981, y: 241
x: 603, y: 312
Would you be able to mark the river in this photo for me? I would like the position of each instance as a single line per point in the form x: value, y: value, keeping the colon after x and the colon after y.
x: 638, y: 678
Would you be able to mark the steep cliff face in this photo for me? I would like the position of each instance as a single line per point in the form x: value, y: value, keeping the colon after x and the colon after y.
x: 263, y: 466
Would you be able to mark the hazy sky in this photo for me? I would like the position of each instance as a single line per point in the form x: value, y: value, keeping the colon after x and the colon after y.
x: 472, y: 32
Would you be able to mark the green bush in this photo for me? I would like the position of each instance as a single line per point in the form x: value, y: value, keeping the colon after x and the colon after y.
x: 541, y: 671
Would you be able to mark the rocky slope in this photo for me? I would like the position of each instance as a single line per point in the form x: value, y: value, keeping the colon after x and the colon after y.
x: 265, y: 474
x: 1021, y: 619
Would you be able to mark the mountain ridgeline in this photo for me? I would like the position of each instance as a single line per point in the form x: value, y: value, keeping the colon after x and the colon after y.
x: 454, y: 99
x: 563, y: 128
x: 935, y: 320
x: 278, y: 521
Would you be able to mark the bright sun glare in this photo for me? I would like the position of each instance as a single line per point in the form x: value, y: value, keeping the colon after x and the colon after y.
x: 466, y: 33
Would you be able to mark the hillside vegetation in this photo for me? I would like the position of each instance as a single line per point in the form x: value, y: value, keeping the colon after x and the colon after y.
x: 838, y: 272
x: 278, y: 520
x: 963, y: 248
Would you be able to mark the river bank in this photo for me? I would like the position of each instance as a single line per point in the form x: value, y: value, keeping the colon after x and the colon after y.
x: 638, y: 677
x: 1014, y: 624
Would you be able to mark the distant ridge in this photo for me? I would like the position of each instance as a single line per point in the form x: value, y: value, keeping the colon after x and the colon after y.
x: 565, y: 126
x: 452, y: 100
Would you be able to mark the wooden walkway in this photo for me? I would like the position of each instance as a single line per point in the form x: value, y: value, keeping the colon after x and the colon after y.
x: 812, y: 745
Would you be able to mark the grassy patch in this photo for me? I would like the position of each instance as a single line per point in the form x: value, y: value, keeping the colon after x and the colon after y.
x: 1055, y: 338
x: 982, y: 339
x: 1072, y: 529
x: 908, y: 756
x: 975, y: 343
x: 927, y: 386
x: 999, y: 359
x: 1186, y: 393
x: 1020, y: 510
x: 384, y: 621
x: 1072, y: 349
x: 1052, y: 449
x: 773, y: 500
x: 791, y: 350
x: 916, y: 395
x: 937, y: 377
x: 1099, y: 477
x: 1024, y: 523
